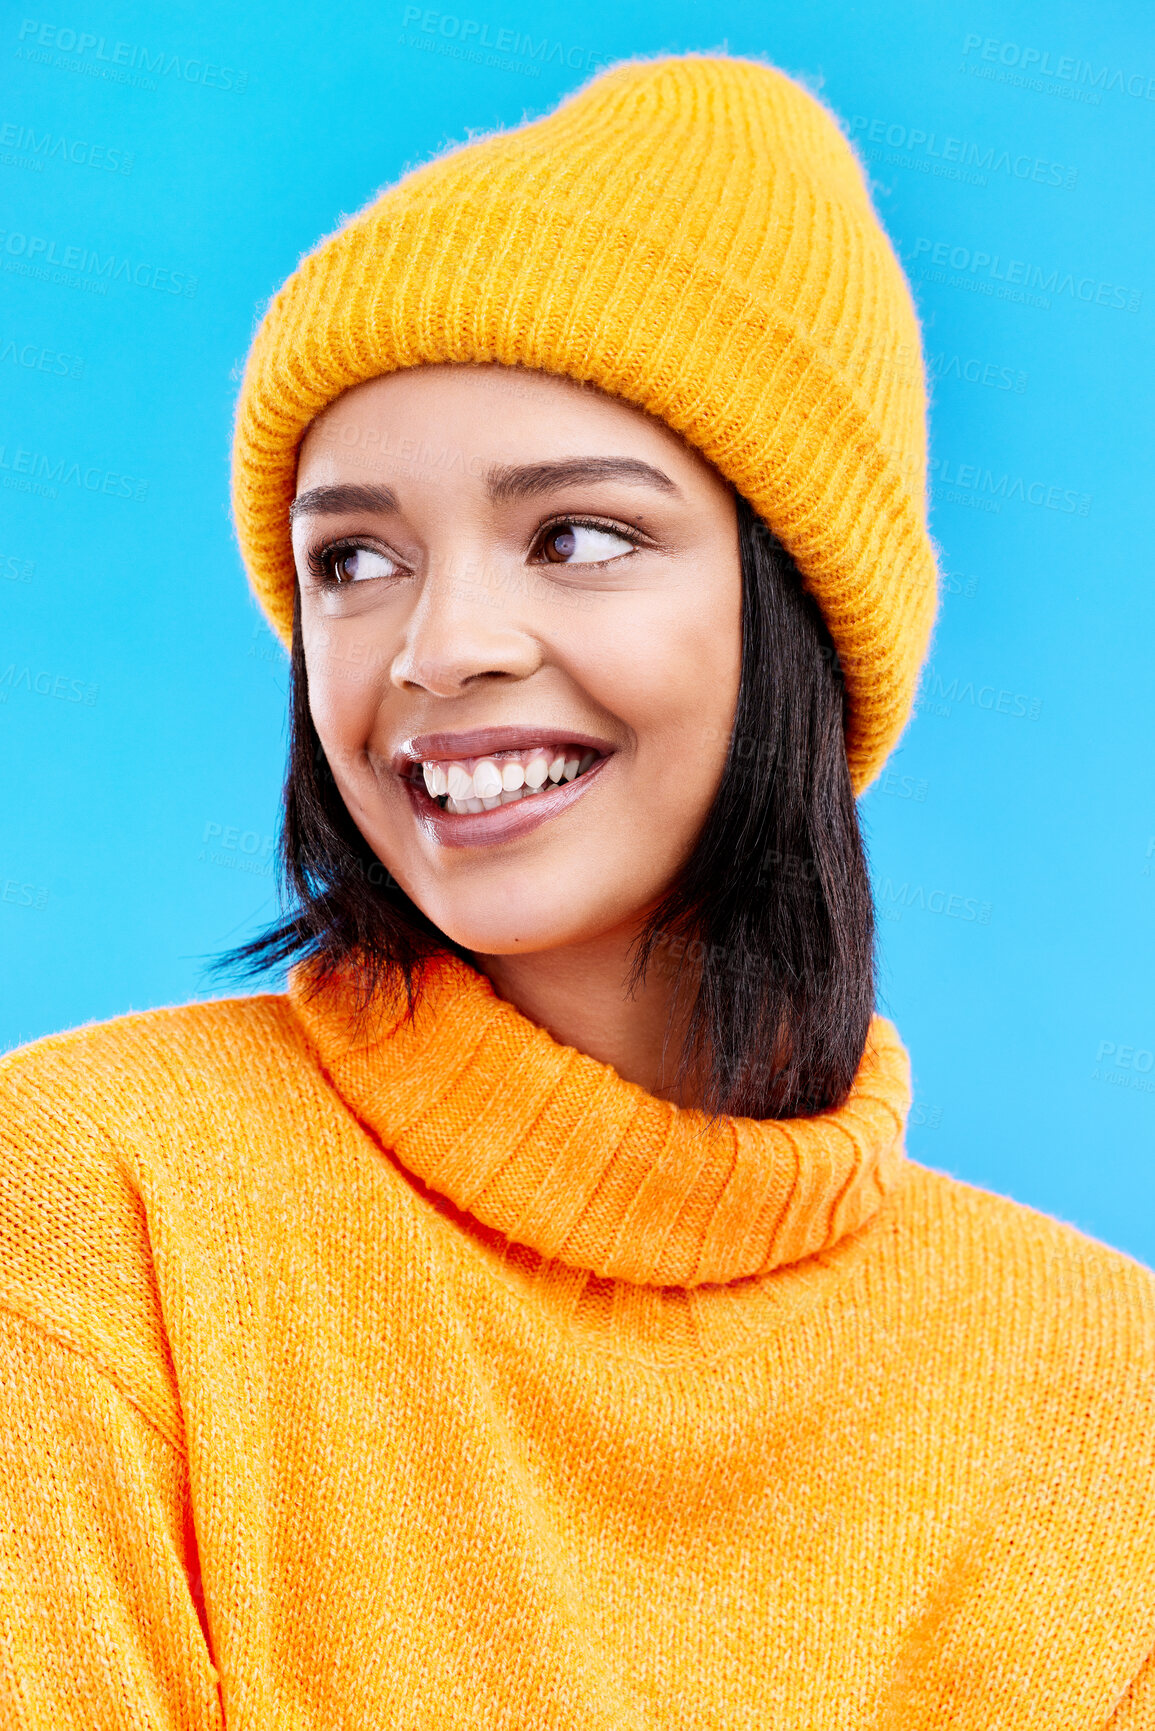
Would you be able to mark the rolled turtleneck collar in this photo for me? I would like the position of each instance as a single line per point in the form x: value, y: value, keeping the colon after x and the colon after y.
x: 557, y: 1152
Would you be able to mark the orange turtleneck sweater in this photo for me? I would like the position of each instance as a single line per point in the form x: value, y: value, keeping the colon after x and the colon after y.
x: 437, y: 1377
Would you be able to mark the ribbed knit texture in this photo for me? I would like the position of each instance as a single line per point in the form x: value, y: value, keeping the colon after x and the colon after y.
x: 695, y: 236
x: 317, y: 1412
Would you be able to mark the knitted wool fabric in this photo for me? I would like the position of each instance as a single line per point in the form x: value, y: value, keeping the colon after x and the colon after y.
x: 315, y: 1411
x: 695, y: 236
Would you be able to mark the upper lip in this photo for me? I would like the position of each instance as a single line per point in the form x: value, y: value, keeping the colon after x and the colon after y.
x: 482, y: 741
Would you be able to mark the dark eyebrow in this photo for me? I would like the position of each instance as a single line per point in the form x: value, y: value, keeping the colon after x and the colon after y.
x: 506, y: 481
x: 332, y: 501
x: 525, y: 481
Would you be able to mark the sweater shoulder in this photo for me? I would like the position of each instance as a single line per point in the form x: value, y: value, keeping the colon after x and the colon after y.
x: 1038, y: 1340
x: 111, y: 1068
x: 996, y: 1217
x: 102, y: 1128
x: 984, y: 1252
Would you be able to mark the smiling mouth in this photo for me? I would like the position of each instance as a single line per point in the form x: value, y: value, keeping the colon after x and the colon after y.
x: 476, y: 784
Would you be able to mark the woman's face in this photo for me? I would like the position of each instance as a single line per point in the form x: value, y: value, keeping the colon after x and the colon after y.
x: 521, y: 613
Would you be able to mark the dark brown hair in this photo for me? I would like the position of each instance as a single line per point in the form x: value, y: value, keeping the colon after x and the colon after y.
x: 769, y: 928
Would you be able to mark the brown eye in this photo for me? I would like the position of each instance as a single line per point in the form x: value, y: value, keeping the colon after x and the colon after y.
x: 583, y: 544
x: 559, y: 544
x: 357, y: 564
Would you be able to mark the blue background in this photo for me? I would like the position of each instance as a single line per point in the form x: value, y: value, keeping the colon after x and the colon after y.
x: 142, y: 697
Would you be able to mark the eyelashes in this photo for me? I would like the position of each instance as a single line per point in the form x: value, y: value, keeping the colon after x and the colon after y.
x: 323, y: 558
x: 561, y: 529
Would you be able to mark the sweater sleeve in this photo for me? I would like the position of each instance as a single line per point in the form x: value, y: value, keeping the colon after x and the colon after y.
x: 1136, y: 1711
x: 100, y: 1624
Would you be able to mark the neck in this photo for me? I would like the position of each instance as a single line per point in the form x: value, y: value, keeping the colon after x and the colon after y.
x: 562, y: 1155
x: 580, y: 995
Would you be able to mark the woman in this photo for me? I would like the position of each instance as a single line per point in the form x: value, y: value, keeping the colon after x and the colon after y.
x: 532, y: 1317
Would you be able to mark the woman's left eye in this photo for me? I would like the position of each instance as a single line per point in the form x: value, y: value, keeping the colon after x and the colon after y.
x: 583, y: 544
x: 357, y: 564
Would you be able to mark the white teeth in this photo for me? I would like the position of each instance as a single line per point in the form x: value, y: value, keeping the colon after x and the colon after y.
x: 487, y: 782
x: 537, y: 771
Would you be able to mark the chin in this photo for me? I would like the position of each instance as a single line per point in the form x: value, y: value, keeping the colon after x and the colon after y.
x: 505, y: 937
x: 516, y: 928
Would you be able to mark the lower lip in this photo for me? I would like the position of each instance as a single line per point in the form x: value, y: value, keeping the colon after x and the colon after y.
x: 504, y: 822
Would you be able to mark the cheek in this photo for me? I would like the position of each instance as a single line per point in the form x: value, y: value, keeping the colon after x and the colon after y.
x: 343, y: 695
x: 343, y: 701
x: 671, y: 673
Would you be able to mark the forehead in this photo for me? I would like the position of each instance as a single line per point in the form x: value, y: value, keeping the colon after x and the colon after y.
x: 446, y: 386
x: 464, y: 420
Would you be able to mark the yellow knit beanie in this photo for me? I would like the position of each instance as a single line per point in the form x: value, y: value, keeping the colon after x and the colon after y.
x: 695, y: 236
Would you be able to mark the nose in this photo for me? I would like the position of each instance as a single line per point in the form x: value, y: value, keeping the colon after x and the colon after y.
x: 465, y: 627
